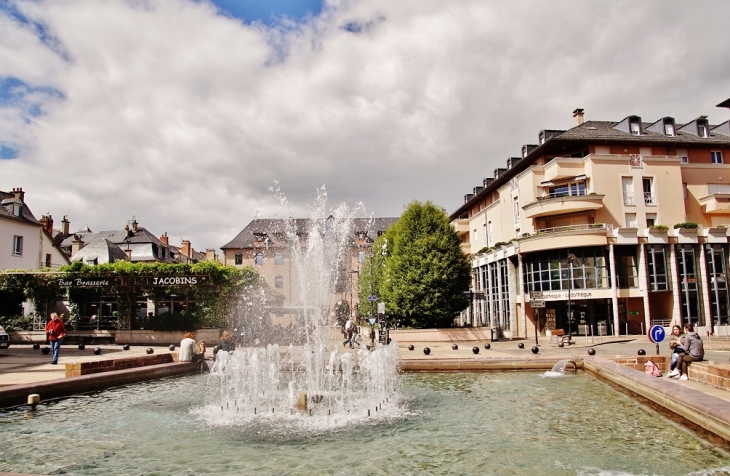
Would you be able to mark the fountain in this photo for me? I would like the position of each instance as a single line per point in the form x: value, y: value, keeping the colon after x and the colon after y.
x: 560, y: 367
x: 307, y: 381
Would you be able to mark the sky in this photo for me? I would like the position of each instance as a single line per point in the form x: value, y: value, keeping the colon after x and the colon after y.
x: 186, y: 114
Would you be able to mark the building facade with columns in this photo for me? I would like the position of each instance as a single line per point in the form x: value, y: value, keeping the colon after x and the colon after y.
x: 609, y: 227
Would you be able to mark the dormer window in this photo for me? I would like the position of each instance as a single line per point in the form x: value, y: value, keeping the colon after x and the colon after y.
x: 261, y: 237
x: 17, y: 209
x: 635, y: 128
x: 669, y: 129
x: 702, y: 130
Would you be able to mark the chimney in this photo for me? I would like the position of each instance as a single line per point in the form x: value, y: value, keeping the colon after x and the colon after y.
x: 578, y: 115
x: 134, y: 225
x: 165, y: 239
x: 19, y: 193
x: 210, y: 255
x: 76, y: 245
x: 186, y: 250
x: 65, y: 226
x: 47, y: 222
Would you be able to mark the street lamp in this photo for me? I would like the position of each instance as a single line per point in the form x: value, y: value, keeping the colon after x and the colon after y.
x: 352, y: 288
x: 571, y: 259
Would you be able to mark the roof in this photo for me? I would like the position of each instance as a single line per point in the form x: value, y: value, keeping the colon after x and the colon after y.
x: 271, y: 229
x: 603, y: 132
x: 101, y: 250
x: 6, y: 210
x: 142, y: 235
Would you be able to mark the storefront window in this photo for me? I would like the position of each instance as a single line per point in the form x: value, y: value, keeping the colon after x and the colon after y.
x: 555, y: 270
x: 656, y: 264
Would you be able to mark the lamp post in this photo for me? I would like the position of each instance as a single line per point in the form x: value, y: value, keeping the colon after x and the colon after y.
x: 352, y: 288
x: 571, y: 258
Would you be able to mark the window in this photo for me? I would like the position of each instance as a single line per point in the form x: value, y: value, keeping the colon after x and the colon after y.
x: 48, y: 260
x: 626, y: 266
x: 279, y: 259
x: 635, y: 128
x: 718, y: 188
x: 685, y: 191
x: 669, y: 129
x: 489, y: 232
x: 279, y: 281
x: 517, y: 210
x: 485, y: 233
x: 648, y: 185
x: 631, y: 220
x: 567, y: 189
x: 239, y: 258
x: 656, y: 263
x: 685, y: 159
x: 702, y: 130
x: 627, y: 184
x: 475, y: 235
x: 716, y: 157
x: 17, y: 209
x: 361, y: 256
x: 259, y: 259
x: 17, y: 245
x: 650, y: 219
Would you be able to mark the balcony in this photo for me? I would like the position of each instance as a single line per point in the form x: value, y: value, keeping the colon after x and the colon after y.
x: 549, y: 206
x: 461, y: 225
x: 716, y: 204
x: 630, y: 200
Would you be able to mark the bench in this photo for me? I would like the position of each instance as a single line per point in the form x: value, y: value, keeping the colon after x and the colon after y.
x: 559, y: 336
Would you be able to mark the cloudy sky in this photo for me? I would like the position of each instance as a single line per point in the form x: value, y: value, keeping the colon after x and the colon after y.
x: 185, y: 113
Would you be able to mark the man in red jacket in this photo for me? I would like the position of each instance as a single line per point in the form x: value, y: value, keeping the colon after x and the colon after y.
x: 56, y: 332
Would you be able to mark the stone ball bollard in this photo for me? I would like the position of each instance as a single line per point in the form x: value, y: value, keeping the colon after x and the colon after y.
x: 46, y: 350
x: 591, y: 351
x: 426, y: 350
x: 126, y: 347
x: 150, y: 350
x: 641, y: 352
x: 82, y: 346
x: 172, y: 347
x: 36, y: 346
x: 521, y: 345
x: 561, y: 344
x: 410, y: 347
x: 535, y: 349
x: 454, y: 347
x: 97, y: 350
x: 487, y: 346
x: 475, y: 349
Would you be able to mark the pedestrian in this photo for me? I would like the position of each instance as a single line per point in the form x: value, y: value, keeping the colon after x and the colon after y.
x: 677, y: 347
x: 187, y: 348
x: 56, y: 331
x: 348, y: 332
x: 226, y: 342
x: 694, y: 351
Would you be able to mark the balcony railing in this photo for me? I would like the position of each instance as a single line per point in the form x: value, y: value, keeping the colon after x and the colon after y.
x: 629, y: 199
x: 563, y: 229
x: 649, y: 198
x: 550, y: 196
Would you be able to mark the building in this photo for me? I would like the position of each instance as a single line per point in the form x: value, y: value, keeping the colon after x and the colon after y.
x: 612, y: 226
x: 266, y: 244
x: 25, y: 242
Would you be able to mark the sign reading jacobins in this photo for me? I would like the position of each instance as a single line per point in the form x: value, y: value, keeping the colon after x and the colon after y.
x: 134, y: 280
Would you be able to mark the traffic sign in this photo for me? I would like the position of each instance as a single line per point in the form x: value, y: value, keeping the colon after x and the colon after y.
x: 372, y: 298
x: 536, y: 295
x: 656, y: 334
x: 372, y: 321
x: 381, y: 308
x: 537, y: 303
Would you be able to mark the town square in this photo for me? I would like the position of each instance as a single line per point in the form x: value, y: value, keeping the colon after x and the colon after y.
x: 349, y: 237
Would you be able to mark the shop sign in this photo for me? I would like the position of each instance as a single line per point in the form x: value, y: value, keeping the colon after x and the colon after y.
x: 83, y: 283
x: 174, y: 280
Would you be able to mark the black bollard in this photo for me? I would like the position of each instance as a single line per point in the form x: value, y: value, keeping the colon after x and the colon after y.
x: 150, y: 350
x: 172, y: 347
x: 82, y: 346
x: 426, y: 350
x: 521, y: 345
x: 410, y: 347
x: 97, y: 350
x: 535, y: 349
x: 475, y: 350
x: 641, y: 352
x: 454, y: 347
x: 36, y: 346
x: 46, y: 350
x: 591, y: 351
x: 487, y: 346
x: 125, y: 347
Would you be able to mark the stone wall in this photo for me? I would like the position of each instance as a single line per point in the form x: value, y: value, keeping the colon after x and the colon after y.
x: 86, y: 368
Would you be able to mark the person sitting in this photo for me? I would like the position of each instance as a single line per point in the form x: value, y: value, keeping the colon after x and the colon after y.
x: 694, y: 351
x: 226, y: 342
x: 187, y: 348
x: 677, y: 347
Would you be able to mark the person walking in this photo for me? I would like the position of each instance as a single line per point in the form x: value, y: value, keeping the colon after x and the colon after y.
x: 56, y: 331
x: 348, y: 332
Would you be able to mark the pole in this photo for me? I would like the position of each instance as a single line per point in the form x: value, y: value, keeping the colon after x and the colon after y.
x: 536, y: 315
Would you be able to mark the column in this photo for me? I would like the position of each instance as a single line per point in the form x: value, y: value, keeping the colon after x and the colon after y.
x: 521, y: 292
x: 614, y: 286
x: 644, y: 287
x: 676, y: 289
x: 703, y: 283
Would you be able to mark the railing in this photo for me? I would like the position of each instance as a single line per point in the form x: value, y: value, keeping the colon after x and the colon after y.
x: 562, y: 229
x: 649, y: 198
x: 629, y: 198
x: 550, y: 196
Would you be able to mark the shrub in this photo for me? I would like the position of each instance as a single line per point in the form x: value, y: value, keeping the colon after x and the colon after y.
x: 686, y: 225
x: 659, y: 227
x: 17, y: 323
x: 183, y: 321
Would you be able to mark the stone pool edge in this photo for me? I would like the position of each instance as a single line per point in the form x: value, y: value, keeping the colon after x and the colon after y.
x: 16, y: 395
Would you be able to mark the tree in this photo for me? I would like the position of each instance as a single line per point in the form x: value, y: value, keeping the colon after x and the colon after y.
x: 419, y: 269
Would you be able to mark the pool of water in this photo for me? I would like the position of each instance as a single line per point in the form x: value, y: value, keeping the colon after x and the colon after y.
x: 456, y: 423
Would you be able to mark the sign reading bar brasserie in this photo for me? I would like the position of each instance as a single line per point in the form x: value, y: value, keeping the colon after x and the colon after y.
x: 151, y: 281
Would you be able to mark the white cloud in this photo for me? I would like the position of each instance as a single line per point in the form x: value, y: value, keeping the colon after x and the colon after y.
x: 185, y: 117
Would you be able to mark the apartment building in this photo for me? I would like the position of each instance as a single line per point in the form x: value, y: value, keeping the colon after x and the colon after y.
x: 291, y: 270
x: 607, y: 228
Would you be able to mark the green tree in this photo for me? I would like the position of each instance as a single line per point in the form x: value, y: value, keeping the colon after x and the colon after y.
x: 424, y: 274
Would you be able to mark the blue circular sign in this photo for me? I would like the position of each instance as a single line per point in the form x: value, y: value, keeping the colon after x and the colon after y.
x: 656, y: 334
